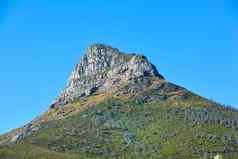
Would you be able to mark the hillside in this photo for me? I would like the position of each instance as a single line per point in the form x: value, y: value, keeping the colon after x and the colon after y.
x: 118, y: 106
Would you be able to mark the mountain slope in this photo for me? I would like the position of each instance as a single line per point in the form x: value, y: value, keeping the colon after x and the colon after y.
x: 118, y: 105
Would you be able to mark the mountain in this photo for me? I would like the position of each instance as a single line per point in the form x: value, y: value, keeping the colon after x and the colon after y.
x: 104, y: 68
x: 118, y: 106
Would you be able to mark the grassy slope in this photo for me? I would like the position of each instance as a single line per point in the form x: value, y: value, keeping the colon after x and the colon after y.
x: 28, y: 151
x: 124, y: 128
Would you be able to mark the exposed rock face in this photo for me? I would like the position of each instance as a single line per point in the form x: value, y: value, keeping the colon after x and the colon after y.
x: 103, y: 68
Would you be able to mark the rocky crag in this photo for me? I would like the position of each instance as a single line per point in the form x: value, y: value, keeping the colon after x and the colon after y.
x: 104, y: 68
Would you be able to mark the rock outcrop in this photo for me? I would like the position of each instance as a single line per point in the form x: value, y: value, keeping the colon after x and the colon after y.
x: 103, y: 68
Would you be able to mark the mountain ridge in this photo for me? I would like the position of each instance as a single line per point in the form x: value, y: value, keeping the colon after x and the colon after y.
x: 118, y: 105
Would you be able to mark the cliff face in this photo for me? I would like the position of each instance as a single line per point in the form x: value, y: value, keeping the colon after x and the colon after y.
x: 103, y: 68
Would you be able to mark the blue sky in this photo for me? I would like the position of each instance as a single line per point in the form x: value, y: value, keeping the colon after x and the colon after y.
x: 193, y: 43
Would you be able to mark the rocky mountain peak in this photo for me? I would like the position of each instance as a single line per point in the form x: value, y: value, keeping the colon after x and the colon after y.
x: 102, y: 68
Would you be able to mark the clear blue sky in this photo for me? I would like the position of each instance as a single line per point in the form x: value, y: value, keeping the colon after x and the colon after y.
x: 193, y: 43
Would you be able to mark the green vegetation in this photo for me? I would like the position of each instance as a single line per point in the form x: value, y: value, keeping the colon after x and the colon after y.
x: 29, y: 151
x: 191, y: 128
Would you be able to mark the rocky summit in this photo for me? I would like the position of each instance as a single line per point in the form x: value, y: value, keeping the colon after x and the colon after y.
x: 118, y: 106
x: 103, y: 68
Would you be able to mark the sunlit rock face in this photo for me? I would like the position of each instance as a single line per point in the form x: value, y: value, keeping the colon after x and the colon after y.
x: 103, y: 68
